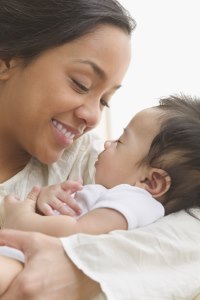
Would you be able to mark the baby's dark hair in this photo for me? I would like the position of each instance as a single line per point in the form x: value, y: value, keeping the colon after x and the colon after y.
x: 176, y: 149
x: 27, y: 28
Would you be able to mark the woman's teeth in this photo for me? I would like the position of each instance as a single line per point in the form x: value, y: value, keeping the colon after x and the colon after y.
x: 61, y: 128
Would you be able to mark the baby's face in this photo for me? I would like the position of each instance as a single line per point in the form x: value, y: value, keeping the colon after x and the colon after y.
x: 120, y: 161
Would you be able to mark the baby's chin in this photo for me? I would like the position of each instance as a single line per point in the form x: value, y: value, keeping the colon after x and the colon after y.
x: 101, y: 182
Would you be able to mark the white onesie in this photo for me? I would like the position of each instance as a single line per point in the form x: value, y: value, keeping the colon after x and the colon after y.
x: 137, y: 205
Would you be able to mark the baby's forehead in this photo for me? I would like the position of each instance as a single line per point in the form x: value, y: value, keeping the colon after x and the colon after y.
x: 146, y: 122
x: 147, y: 114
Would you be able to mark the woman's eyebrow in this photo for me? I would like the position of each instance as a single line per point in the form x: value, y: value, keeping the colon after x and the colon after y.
x: 99, y: 71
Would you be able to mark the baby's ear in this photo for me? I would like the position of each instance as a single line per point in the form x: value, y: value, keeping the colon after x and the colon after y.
x: 157, y: 182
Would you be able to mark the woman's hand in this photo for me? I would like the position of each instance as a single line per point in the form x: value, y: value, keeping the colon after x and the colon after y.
x: 48, y: 272
x: 16, y: 212
x: 59, y: 197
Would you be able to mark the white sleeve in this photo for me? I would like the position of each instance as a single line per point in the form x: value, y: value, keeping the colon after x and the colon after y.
x: 159, y: 261
x: 88, y: 196
x: 137, y: 205
x: 12, y: 252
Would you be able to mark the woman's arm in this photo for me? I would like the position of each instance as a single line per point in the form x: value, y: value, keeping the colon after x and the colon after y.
x: 144, y: 259
x: 48, y: 272
x: 9, y: 269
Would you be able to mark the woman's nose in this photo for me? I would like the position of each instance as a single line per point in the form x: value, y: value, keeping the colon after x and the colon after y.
x: 91, y: 114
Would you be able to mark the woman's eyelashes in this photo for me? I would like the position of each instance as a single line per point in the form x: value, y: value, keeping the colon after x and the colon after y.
x: 81, y: 88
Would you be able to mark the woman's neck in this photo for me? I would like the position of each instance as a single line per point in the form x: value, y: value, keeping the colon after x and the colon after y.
x: 12, y: 161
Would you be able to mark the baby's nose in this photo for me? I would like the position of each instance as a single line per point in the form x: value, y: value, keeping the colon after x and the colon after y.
x: 107, y: 144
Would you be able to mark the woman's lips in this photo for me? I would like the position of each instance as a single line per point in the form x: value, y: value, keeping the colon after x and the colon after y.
x: 60, y: 127
x: 63, y: 135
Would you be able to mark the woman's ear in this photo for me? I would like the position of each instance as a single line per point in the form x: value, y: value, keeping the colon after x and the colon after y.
x: 157, y: 182
x: 6, y: 67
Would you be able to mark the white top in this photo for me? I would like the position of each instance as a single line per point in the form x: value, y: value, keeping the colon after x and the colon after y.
x: 160, y: 261
x: 137, y: 206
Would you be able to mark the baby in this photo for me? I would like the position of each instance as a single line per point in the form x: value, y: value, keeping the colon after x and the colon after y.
x: 151, y: 170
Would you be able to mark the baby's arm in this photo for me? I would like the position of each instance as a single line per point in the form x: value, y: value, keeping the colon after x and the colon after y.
x: 59, y: 197
x: 98, y: 221
x: 9, y: 269
x: 20, y: 215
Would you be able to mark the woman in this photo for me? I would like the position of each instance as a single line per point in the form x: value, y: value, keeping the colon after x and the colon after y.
x: 61, y: 61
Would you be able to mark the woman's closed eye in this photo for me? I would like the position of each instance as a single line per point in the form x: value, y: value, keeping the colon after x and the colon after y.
x: 80, y: 87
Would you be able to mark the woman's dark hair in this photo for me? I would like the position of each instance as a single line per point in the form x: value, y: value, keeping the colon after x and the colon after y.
x: 176, y: 149
x: 28, y: 28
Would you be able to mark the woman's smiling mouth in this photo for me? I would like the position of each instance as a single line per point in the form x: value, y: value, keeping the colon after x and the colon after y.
x: 63, y: 135
x: 61, y: 128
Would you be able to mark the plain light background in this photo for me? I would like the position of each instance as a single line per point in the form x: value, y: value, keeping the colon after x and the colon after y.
x: 165, y: 59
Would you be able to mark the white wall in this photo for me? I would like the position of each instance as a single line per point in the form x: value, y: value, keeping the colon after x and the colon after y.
x: 165, y: 58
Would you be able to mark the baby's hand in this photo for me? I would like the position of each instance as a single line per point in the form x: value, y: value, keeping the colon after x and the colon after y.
x: 59, y: 197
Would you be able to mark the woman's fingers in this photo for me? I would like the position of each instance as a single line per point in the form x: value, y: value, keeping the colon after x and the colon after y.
x: 12, y: 201
x: 13, y: 238
x: 57, y: 277
x: 15, y: 210
x: 34, y: 194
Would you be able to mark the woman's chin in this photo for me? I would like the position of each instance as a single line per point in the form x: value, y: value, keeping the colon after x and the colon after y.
x: 50, y: 158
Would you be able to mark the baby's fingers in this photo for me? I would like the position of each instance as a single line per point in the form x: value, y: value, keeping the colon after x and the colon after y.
x: 70, y: 202
x: 73, y: 204
x: 45, y: 209
x: 71, y: 186
x: 62, y: 207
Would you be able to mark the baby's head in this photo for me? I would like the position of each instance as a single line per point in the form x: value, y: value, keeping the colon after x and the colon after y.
x: 176, y: 149
x: 160, y: 152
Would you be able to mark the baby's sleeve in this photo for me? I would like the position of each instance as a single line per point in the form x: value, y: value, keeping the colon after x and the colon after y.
x: 137, y: 205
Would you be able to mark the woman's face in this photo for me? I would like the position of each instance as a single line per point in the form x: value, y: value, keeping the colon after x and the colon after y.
x: 61, y: 94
